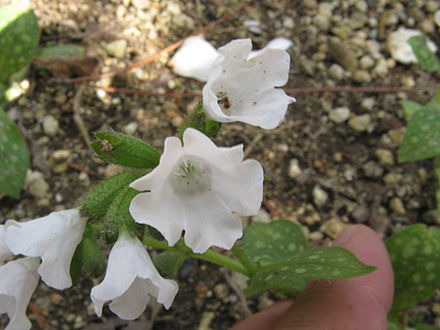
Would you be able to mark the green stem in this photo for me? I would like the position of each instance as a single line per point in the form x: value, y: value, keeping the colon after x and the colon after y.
x: 209, y: 255
x: 244, y: 259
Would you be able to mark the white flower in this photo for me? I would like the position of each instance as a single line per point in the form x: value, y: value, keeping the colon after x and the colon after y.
x: 5, y: 253
x: 399, y: 47
x: 194, y: 58
x: 129, y: 280
x: 18, y: 280
x: 53, y: 238
x: 240, y: 88
x: 196, y: 188
x: 277, y: 43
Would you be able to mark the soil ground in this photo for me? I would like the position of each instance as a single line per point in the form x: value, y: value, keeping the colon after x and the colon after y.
x: 321, y: 172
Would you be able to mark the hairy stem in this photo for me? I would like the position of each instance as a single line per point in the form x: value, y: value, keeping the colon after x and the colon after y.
x: 210, y: 255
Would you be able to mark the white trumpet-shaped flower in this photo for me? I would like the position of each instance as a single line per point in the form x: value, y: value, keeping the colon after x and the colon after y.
x: 196, y: 188
x: 18, y: 280
x: 53, y: 238
x: 240, y: 88
x: 129, y: 280
x: 5, y: 253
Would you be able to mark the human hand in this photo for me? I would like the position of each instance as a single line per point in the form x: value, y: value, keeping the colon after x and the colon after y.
x: 360, y: 303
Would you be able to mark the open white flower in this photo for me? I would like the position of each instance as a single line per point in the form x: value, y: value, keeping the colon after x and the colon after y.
x: 18, y: 280
x: 5, y: 253
x: 241, y: 88
x: 53, y: 238
x: 196, y: 188
x: 129, y: 280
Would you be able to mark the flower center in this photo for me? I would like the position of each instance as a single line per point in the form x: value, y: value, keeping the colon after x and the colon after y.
x: 190, y: 177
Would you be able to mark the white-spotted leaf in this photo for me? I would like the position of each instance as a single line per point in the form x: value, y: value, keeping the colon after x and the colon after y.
x: 415, y: 254
x: 268, y: 243
x: 315, y: 263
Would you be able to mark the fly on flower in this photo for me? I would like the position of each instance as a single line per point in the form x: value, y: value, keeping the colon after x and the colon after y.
x: 241, y: 86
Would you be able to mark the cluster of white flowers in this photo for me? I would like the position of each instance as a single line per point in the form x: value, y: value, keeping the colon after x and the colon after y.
x: 197, y: 188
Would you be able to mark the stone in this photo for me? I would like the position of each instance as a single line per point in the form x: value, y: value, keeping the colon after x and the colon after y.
x: 320, y: 196
x: 50, y: 125
x: 322, y: 22
x: 336, y: 71
x: 333, y: 227
x: 366, y: 62
x: 360, y: 123
x: 339, y: 115
x: 221, y: 290
x: 385, y: 156
x: 294, y: 169
x: 36, y: 184
x: 372, y: 169
x: 362, y: 76
x: 59, y: 160
x: 392, y: 178
x: 396, y: 205
x: 116, y: 48
x: 397, y: 134
x: 368, y: 103
x: 262, y: 216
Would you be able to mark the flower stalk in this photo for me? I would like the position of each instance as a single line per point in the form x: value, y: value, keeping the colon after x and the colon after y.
x: 209, y: 255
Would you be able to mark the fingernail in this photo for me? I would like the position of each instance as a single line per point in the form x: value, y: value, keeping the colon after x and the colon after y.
x: 345, y: 235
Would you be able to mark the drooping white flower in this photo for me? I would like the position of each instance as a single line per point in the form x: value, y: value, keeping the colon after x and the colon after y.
x: 194, y: 58
x: 53, y: 238
x: 129, y: 280
x: 18, y: 280
x: 399, y: 47
x: 5, y: 253
x: 240, y: 88
x: 196, y: 188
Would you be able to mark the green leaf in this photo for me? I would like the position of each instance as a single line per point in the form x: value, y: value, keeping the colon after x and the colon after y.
x: 316, y: 263
x: 409, y: 108
x: 118, y: 216
x: 427, y: 58
x: 415, y: 254
x: 268, y: 243
x: 96, y: 202
x: 394, y: 326
x: 170, y: 261
x: 14, y: 157
x: 19, y: 36
x: 87, y: 255
x: 422, y: 137
x: 67, y: 51
x: 125, y: 150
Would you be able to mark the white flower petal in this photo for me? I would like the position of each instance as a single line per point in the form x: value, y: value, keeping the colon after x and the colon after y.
x: 53, y: 238
x: 201, y: 192
x: 240, y: 88
x: 18, y: 280
x: 129, y: 279
x: 5, y: 253
x: 194, y: 58
x: 277, y: 43
x: 399, y: 47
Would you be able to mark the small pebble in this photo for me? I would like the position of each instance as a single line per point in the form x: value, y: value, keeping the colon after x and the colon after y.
x: 336, y: 71
x: 372, y: 169
x: 362, y: 76
x: 294, y: 169
x: 339, y: 115
x: 333, y: 227
x: 50, y: 125
x: 397, y: 206
x: 385, y: 156
x: 320, y: 196
x: 360, y: 123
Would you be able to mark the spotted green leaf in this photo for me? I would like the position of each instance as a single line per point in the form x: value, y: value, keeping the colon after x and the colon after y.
x: 409, y: 108
x: 67, y: 51
x: 315, y: 263
x: 125, y: 150
x: 422, y: 137
x: 14, y: 157
x: 19, y: 36
x: 415, y: 254
x: 427, y: 58
x: 169, y: 261
x: 267, y: 243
